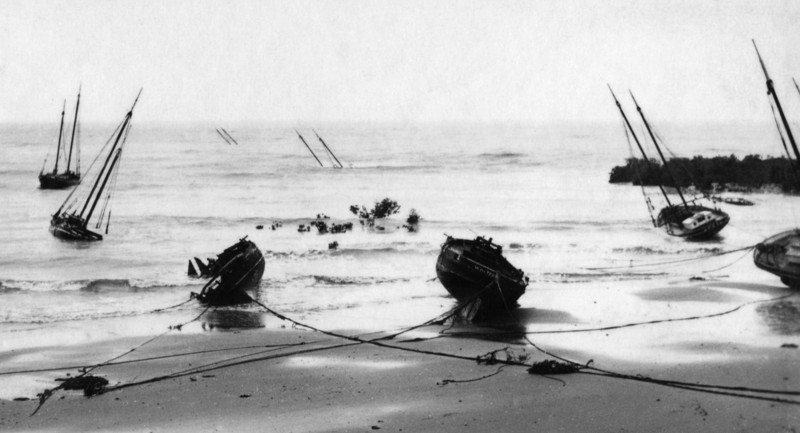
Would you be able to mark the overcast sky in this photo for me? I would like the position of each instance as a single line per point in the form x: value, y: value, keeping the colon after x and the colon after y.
x: 399, y: 61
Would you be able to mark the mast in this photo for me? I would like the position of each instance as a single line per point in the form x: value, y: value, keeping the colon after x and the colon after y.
x: 795, y: 85
x: 309, y: 148
x: 105, y: 164
x: 771, y: 91
x: 229, y: 136
x: 74, y: 127
x: 102, y: 187
x: 328, y: 149
x: 655, y: 143
x: 60, y: 133
x: 635, y: 138
x: 222, y: 135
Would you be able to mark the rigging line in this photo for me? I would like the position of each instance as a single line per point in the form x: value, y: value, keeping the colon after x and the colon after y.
x: 703, y: 388
x: 151, y: 358
x: 234, y: 364
x: 746, y: 253
x: 638, y: 176
x: 670, y: 262
x: 46, y: 394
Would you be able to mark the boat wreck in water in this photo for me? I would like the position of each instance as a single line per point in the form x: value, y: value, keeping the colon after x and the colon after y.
x: 780, y: 254
x: 234, y: 271
x: 475, y: 271
x: 71, y: 220
x: 687, y: 219
x: 67, y: 178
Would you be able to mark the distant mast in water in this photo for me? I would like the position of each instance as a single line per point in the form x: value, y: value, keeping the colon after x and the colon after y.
x: 71, y: 220
x: 68, y: 178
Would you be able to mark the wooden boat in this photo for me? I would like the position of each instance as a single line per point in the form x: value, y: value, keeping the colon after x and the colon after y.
x: 738, y: 201
x: 238, y: 268
x: 67, y: 178
x: 780, y: 254
x: 475, y: 270
x: 687, y: 219
x: 71, y: 220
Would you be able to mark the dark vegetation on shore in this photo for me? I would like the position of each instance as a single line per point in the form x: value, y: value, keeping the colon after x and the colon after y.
x: 750, y: 172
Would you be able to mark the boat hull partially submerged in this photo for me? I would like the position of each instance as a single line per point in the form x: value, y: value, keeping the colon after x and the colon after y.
x: 780, y: 255
x: 475, y: 270
x: 72, y: 228
x: 692, y: 222
x: 235, y: 271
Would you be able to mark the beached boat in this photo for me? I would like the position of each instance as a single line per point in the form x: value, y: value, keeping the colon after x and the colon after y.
x: 780, y: 254
x: 475, y: 270
x: 234, y: 271
x: 71, y: 220
x: 686, y: 219
x: 738, y: 201
x: 68, y: 177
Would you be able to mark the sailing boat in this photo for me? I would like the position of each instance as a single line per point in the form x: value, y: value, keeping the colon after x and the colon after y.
x: 67, y: 178
x: 780, y: 254
x: 685, y: 219
x: 71, y: 220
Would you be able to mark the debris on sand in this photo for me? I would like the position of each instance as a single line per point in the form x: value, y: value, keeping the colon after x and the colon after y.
x: 90, y: 385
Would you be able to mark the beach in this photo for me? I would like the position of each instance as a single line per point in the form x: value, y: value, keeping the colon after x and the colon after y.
x: 256, y: 372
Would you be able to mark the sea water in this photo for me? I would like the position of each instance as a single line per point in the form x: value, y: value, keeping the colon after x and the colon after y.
x: 539, y: 191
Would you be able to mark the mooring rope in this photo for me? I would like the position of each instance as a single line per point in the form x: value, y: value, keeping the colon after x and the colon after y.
x: 671, y: 262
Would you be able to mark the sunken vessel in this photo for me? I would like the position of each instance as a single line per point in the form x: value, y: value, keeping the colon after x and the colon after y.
x: 231, y: 274
x: 476, y: 271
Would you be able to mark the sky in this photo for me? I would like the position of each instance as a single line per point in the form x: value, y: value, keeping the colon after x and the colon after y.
x: 396, y: 61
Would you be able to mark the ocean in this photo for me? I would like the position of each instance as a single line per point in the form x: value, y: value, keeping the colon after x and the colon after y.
x: 540, y: 191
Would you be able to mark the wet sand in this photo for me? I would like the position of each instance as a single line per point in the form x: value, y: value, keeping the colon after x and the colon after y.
x: 258, y: 373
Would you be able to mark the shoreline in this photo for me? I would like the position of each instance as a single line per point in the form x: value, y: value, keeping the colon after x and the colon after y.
x: 276, y: 377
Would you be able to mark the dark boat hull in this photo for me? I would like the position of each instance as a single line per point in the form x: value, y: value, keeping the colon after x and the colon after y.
x: 692, y: 222
x: 476, y: 269
x: 780, y: 255
x: 234, y: 271
x: 70, y: 229
x: 58, y: 181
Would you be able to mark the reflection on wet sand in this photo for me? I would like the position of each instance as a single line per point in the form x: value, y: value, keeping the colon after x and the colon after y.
x: 508, y: 326
x: 226, y: 320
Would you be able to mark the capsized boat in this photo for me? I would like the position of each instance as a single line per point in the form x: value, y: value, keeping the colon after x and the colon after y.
x: 686, y: 219
x: 475, y: 270
x: 71, y: 220
x: 780, y: 254
x: 68, y: 177
x: 234, y: 271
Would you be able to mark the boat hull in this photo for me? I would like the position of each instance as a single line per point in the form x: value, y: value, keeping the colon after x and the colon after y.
x: 58, y: 181
x: 692, y: 222
x: 472, y: 269
x: 235, y: 271
x: 64, y: 228
x: 780, y: 255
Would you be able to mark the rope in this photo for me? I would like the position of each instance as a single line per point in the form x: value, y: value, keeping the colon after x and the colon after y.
x: 671, y: 262
x: 46, y: 394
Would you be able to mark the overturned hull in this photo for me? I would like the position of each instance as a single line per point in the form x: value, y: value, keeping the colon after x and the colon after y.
x: 234, y: 271
x: 780, y: 255
x: 476, y: 270
x: 692, y: 222
x: 58, y: 181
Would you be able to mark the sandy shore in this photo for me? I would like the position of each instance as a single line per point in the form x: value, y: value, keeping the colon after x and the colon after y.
x: 274, y: 377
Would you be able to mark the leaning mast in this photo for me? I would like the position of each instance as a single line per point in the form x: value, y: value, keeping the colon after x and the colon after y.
x: 655, y: 143
x: 72, y: 140
x: 771, y: 91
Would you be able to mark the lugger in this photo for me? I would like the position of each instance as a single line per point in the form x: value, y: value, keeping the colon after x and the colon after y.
x: 476, y: 271
x: 237, y: 269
